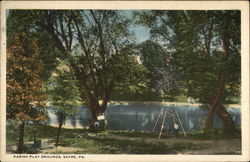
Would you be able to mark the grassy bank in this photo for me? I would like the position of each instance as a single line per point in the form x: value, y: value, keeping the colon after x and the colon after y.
x: 118, y: 142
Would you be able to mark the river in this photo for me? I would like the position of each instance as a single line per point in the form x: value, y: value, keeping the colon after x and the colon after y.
x: 143, y: 116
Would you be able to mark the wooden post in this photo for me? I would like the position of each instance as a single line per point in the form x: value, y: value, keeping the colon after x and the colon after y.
x: 180, y: 123
x: 157, y: 120
x: 162, y: 125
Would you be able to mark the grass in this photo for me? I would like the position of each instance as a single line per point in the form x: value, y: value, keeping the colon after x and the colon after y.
x: 215, y: 134
x: 111, y: 145
x: 114, y: 141
x: 228, y: 153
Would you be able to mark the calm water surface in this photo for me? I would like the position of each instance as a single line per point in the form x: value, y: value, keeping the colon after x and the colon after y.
x: 143, y: 117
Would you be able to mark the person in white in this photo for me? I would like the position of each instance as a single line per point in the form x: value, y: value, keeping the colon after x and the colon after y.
x: 176, y: 129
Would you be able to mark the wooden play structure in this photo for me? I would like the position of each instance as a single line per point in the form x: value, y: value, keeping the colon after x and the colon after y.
x: 169, y: 113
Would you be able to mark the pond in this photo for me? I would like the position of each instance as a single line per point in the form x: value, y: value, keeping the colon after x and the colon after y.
x: 143, y: 116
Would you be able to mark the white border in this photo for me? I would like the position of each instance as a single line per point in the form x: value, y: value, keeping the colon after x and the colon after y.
x: 178, y: 5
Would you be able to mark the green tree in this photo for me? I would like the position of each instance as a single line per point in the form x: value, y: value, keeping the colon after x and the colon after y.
x: 162, y: 72
x: 93, y: 42
x: 206, y: 53
x: 64, y: 95
x: 133, y: 85
x: 27, y: 50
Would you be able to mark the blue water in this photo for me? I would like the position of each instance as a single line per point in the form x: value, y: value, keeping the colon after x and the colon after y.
x: 143, y: 117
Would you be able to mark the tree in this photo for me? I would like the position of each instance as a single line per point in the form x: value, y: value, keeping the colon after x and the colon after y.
x: 94, y: 42
x: 63, y: 95
x: 206, y: 54
x: 158, y: 61
x: 133, y: 85
x: 24, y: 41
x: 24, y: 84
x: 19, y: 22
x: 229, y: 67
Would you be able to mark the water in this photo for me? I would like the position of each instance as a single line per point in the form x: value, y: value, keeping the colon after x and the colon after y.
x: 142, y: 117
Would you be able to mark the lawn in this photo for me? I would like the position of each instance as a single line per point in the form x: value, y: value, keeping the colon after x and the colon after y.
x: 82, y: 141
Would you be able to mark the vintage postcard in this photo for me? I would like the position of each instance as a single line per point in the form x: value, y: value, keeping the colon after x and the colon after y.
x: 124, y: 81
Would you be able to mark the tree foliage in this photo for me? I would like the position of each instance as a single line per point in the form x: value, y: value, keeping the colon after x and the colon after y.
x: 93, y: 42
x: 132, y: 85
x: 18, y: 21
x: 25, y: 99
x: 64, y: 95
x: 195, y: 49
x: 162, y: 73
x: 206, y: 53
x: 30, y: 61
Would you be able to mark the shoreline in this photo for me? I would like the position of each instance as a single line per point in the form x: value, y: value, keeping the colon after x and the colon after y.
x: 164, y: 103
x: 237, y: 106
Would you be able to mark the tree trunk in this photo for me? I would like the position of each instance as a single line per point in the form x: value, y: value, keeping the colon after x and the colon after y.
x: 136, y: 95
x: 215, y: 101
x: 99, y: 110
x: 92, y: 99
x: 35, y: 132
x: 20, y: 148
x: 58, y: 133
x: 208, y: 121
x: 65, y: 47
x: 228, y: 123
x: 216, y: 107
x: 149, y: 93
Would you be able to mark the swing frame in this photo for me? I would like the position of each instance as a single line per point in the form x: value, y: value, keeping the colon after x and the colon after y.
x: 166, y: 115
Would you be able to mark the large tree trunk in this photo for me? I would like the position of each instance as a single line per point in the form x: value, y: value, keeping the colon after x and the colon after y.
x: 208, y: 121
x: 215, y: 107
x: 228, y: 123
x: 92, y: 98
x: 215, y: 101
x: 93, y: 111
x: 98, y: 110
x: 20, y: 148
x: 65, y: 47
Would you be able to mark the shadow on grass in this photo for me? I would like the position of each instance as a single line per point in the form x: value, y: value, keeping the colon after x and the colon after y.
x: 109, y: 145
x: 214, y: 134
x: 117, y: 142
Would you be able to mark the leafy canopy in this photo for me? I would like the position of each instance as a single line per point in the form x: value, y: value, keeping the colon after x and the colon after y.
x: 25, y: 99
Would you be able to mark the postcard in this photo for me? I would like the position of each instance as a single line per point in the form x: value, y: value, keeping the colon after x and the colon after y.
x: 125, y: 81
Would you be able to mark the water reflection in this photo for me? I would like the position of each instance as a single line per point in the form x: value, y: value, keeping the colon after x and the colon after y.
x: 143, y: 117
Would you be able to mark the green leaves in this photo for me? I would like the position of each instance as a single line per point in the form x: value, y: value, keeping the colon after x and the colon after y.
x: 63, y: 88
x: 189, y: 47
x: 203, y: 45
x: 63, y: 92
x: 162, y: 74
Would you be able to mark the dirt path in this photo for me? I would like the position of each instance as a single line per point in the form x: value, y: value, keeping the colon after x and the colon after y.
x: 49, y: 146
x: 61, y: 150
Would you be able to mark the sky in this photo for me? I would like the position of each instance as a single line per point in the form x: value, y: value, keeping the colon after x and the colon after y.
x: 141, y: 33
